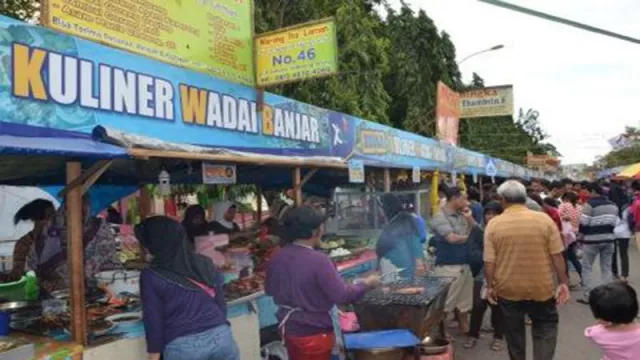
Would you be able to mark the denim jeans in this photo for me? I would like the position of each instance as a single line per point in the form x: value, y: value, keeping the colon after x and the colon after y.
x: 213, y: 344
x: 544, y: 327
x: 589, y: 254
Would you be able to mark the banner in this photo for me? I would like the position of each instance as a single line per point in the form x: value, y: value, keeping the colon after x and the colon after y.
x: 215, y: 37
x: 213, y: 174
x: 356, y: 172
x: 491, y: 101
x: 545, y: 163
x: 447, y: 114
x: 296, y: 53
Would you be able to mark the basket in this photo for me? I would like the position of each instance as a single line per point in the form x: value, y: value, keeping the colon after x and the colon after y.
x: 19, y: 290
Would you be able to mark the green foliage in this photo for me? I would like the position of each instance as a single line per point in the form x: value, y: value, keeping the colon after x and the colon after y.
x: 358, y: 89
x: 626, y: 156
x: 19, y: 9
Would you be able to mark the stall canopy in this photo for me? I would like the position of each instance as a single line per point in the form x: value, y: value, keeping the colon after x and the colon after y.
x: 629, y: 172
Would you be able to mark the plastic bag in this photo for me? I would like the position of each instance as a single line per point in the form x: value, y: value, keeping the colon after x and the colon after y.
x: 274, y: 351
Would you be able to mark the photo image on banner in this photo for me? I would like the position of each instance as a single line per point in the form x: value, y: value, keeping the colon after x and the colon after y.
x: 447, y: 114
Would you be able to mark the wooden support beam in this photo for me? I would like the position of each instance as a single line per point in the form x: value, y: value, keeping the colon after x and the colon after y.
x: 87, y: 178
x: 75, y: 255
x: 297, y: 186
x: 387, y: 180
x: 307, y: 177
x: 282, y: 161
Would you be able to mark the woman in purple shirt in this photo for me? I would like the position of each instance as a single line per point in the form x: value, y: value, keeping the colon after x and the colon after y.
x: 305, y: 285
x: 185, y: 314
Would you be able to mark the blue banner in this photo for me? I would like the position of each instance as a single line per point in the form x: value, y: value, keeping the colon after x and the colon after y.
x: 54, y: 80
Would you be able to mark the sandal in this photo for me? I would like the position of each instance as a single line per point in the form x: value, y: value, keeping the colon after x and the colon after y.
x: 497, y: 345
x: 471, y: 343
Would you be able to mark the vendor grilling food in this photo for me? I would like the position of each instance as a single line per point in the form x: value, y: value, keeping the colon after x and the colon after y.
x: 305, y: 298
x: 225, y: 213
x: 44, y: 249
x: 400, y: 245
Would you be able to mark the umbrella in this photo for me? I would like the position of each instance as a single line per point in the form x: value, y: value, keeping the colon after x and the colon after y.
x: 12, y: 198
x: 631, y: 171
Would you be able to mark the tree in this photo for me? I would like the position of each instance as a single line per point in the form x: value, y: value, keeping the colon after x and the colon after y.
x: 358, y: 89
x: 420, y: 57
x: 628, y: 154
x: 25, y: 10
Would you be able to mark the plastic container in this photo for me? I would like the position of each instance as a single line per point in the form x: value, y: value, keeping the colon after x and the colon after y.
x: 25, y: 289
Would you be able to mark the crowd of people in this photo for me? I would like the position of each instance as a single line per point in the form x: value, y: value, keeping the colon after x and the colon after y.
x: 529, y: 237
x: 508, y: 248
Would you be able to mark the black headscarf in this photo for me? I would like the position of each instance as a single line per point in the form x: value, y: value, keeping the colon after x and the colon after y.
x: 173, y: 256
x: 401, y: 226
x: 619, y: 197
x: 195, y: 230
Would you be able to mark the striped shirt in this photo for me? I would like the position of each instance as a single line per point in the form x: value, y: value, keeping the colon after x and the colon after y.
x: 520, y: 243
x: 598, y: 220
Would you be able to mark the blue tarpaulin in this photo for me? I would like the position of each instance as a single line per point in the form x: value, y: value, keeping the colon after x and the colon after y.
x: 19, y: 139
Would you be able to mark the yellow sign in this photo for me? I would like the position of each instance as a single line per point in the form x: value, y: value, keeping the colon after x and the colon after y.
x: 305, y: 51
x: 491, y: 101
x: 215, y: 37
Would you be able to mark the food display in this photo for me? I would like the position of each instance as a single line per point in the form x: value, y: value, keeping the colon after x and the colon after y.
x: 339, y: 252
x: 244, y: 287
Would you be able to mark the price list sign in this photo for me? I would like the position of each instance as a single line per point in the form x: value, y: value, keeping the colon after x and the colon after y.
x: 296, y: 53
x: 211, y: 36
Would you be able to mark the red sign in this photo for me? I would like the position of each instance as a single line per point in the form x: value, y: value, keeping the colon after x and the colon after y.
x: 447, y: 114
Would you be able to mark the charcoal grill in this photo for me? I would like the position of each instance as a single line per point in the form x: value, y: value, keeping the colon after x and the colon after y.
x: 420, y: 313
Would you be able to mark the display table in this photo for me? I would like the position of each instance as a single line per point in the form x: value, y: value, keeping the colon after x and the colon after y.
x: 50, y: 349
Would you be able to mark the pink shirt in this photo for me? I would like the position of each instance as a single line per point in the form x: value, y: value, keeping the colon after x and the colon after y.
x: 615, y: 345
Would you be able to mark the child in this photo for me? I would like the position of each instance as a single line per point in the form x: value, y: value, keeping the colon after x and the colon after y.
x: 615, y: 307
x: 480, y: 304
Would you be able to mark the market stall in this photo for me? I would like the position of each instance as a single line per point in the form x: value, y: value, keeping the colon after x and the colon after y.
x: 178, y: 126
x: 28, y: 152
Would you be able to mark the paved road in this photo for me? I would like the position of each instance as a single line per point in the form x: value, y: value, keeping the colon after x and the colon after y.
x: 574, y: 318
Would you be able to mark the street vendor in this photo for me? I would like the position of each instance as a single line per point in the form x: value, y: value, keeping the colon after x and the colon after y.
x: 225, y: 213
x: 195, y: 222
x: 305, y: 298
x: 32, y: 251
x: 45, y: 251
x: 399, y: 247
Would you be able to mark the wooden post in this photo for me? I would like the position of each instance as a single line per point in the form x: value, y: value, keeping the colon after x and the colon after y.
x: 297, y: 189
x: 75, y: 255
x: 387, y: 180
x: 481, y: 188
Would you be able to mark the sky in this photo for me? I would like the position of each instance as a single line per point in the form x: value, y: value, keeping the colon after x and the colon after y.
x: 583, y: 84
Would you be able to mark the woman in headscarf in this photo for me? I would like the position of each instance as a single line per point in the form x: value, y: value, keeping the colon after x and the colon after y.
x: 195, y: 222
x: 100, y: 253
x: 33, y: 251
x: 185, y: 313
x: 305, y: 298
x: 225, y: 212
x: 399, y: 247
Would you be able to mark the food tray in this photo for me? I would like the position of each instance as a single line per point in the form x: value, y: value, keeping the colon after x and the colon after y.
x: 20, y: 352
x: 433, y: 286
